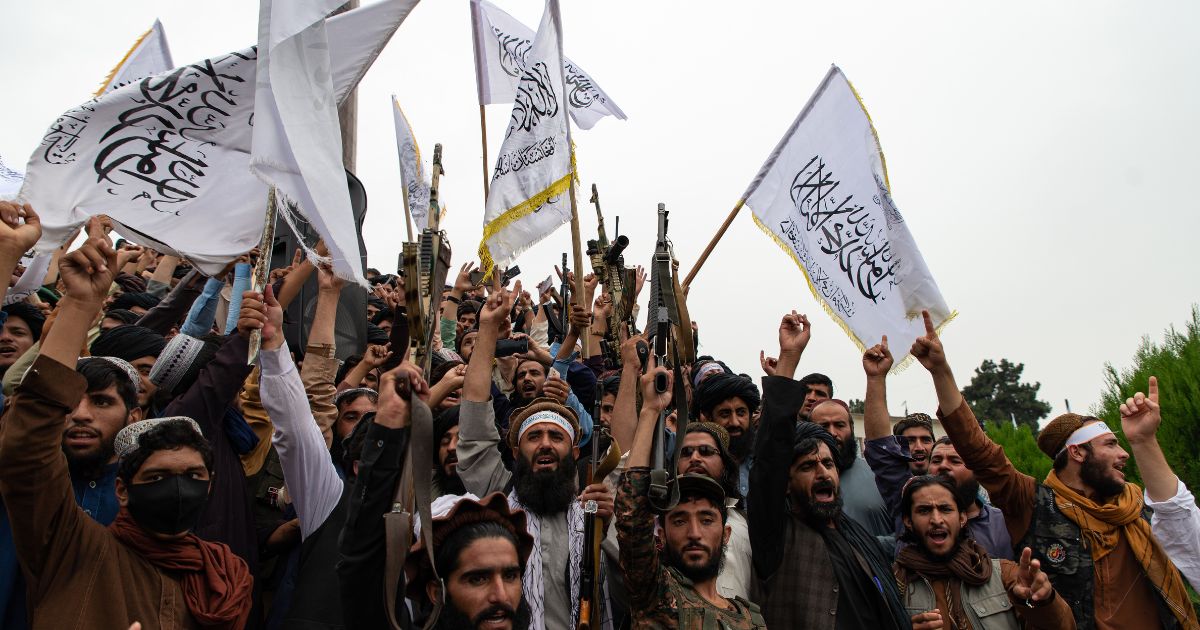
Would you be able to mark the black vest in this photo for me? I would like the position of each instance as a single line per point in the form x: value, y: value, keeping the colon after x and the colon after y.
x: 1066, y: 558
x: 316, y: 602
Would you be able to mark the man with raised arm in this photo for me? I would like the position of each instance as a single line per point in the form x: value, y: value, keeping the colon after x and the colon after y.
x: 680, y: 589
x: 147, y: 566
x: 1176, y: 520
x: 814, y: 566
x: 544, y: 438
x: 889, y: 457
x: 1085, y: 523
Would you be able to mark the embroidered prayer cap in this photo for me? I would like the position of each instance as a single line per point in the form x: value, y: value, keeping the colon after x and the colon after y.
x: 1053, y: 438
x: 175, y: 360
x: 129, y: 370
x: 542, y: 410
x: 126, y: 441
x: 718, y: 432
x: 340, y: 396
x: 452, y: 512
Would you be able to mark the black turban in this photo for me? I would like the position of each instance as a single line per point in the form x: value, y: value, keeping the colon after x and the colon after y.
x: 720, y: 387
x: 445, y: 421
x: 376, y: 336
x: 30, y: 314
x: 122, y: 315
x: 130, y: 300
x: 129, y: 343
x: 808, y: 431
x: 130, y: 283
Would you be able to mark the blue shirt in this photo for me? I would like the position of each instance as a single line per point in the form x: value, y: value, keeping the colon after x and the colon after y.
x: 99, y: 498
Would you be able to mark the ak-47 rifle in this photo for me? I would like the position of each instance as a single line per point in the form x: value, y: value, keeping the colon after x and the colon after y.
x: 564, y: 293
x: 608, y: 263
x: 593, y: 527
x: 672, y: 347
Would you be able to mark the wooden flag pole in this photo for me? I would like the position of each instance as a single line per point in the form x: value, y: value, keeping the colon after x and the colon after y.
x: 577, y: 252
x: 408, y: 222
x: 261, y: 269
x: 711, y: 244
x: 483, y: 138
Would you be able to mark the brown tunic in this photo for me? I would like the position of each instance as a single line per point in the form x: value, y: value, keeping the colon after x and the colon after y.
x: 1123, y: 597
x: 79, y: 575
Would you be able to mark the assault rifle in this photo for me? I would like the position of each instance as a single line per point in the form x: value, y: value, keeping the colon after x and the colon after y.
x: 673, y: 347
x: 426, y: 264
x: 563, y: 322
x: 593, y: 527
x: 608, y: 263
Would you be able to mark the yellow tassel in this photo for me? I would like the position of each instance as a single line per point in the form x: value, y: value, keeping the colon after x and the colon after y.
x: 113, y: 73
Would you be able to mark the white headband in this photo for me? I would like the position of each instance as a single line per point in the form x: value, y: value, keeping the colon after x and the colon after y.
x: 546, y: 416
x: 1083, y: 435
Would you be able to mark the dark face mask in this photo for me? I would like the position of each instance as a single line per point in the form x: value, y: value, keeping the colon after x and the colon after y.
x: 171, y: 505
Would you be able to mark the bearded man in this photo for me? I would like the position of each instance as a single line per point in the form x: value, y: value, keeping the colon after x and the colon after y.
x: 731, y: 401
x: 814, y: 566
x: 863, y: 502
x: 1084, y: 522
x: 950, y: 581
x: 543, y: 437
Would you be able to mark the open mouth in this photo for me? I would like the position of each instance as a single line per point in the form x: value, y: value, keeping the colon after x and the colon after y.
x: 938, y: 536
x: 545, y: 462
x: 81, y: 436
x: 8, y: 352
x: 824, y: 493
x: 497, y: 619
x: 528, y: 390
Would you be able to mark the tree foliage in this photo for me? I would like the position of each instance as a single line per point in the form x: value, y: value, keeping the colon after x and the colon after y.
x: 1176, y: 363
x: 857, y: 405
x: 996, y: 394
x: 1020, y: 445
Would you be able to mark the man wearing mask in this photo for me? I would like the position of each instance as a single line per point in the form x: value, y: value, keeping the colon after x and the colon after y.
x: 679, y: 588
x: 1084, y: 521
x: 544, y: 438
x: 949, y: 581
x: 814, y: 566
x: 148, y: 558
x: 889, y: 455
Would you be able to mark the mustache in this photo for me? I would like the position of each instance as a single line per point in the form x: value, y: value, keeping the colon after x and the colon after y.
x: 81, y: 427
x: 823, y: 485
x: 507, y: 610
x: 695, y: 546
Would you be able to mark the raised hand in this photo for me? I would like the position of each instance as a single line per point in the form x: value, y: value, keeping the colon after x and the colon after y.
x: 1032, y: 585
x: 462, y: 283
x: 877, y: 360
x: 590, y: 282
x: 580, y: 318
x: 396, y: 388
x: 499, y: 303
x: 639, y: 280
x: 555, y: 387
x: 768, y: 363
x: 260, y: 311
x: 603, y: 497
x: 327, y: 281
x: 651, y: 398
x: 629, y: 354
x: 377, y: 355
x: 88, y: 272
x: 1141, y: 414
x: 794, y: 333
x: 928, y: 349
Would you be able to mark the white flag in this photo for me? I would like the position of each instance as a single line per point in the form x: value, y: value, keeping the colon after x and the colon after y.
x: 149, y: 55
x: 823, y: 196
x: 168, y: 157
x: 412, y: 174
x: 502, y: 48
x: 528, y: 198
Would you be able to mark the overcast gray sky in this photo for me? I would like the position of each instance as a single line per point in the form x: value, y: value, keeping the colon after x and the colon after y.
x: 1042, y: 153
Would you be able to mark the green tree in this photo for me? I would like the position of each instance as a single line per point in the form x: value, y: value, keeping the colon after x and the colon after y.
x: 1176, y: 363
x: 1020, y: 445
x: 996, y: 394
x: 857, y: 405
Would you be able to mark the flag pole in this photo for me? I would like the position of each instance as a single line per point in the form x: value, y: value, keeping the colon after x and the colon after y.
x: 585, y: 337
x: 483, y: 139
x: 408, y: 223
x: 711, y: 244
x: 261, y: 268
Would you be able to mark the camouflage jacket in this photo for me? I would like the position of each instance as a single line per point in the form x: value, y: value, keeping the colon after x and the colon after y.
x: 661, y: 597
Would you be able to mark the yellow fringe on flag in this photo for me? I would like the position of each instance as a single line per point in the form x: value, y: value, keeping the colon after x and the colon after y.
x: 113, y: 73
x: 523, y: 209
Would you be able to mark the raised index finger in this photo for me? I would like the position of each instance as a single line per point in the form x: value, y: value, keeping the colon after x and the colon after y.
x: 929, y: 330
x: 1026, y: 554
x: 1152, y: 390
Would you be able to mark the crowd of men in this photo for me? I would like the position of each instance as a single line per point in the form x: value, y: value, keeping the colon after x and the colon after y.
x: 152, y: 477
